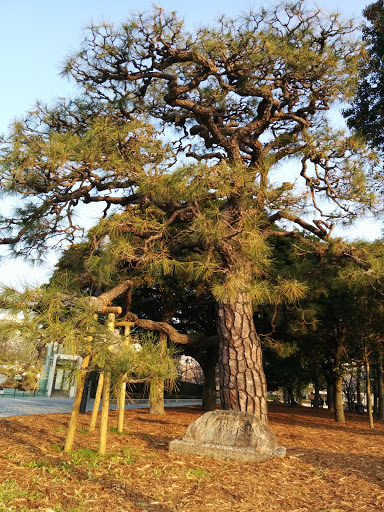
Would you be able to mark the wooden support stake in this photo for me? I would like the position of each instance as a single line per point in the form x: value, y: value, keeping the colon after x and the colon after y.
x: 96, y: 404
x: 76, y: 406
x: 106, y: 396
x: 120, y: 425
x: 104, y: 414
x: 123, y: 388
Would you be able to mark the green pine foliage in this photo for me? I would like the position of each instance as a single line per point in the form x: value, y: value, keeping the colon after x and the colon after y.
x: 198, y: 154
x: 37, y: 317
x: 365, y: 114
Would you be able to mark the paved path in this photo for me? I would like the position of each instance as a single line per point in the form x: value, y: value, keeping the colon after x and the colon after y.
x: 50, y: 405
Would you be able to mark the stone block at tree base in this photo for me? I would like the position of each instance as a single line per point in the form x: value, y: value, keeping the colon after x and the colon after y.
x: 228, y: 435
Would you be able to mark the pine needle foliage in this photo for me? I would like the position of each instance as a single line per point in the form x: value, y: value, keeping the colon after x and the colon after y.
x: 50, y: 314
x: 207, y: 204
x: 202, y: 148
x: 142, y: 360
x: 44, y: 315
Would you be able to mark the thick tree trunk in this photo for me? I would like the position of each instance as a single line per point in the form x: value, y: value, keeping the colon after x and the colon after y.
x: 242, y: 380
x: 380, y: 389
x: 339, y: 409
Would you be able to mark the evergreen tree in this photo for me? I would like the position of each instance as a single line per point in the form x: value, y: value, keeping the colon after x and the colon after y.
x: 234, y: 101
x: 366, y: 112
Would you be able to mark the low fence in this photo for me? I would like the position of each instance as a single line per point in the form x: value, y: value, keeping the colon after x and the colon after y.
x: 12, y: 393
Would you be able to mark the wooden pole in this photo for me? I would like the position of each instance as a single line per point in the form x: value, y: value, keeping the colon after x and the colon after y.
x: 76, y: 405
x: 120, y: 424
x: 123, y: 388
x: 96, y: 404
x: 106, y: 395
x: 104, y: 413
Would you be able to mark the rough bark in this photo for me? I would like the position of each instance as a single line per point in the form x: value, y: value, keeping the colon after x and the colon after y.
x: 242, y: 381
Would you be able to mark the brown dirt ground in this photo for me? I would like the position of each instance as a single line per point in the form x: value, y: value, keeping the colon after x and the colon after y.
x: 328, y: 467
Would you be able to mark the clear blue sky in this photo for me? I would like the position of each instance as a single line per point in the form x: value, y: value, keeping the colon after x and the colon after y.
x: 37, y: 36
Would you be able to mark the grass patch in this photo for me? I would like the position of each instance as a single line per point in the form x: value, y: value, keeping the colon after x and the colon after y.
x: 197, y: 473
x: 9, y: 491
x: 85, y: 456
x: 57, y: 448
x: 115, y: 430
x: 43, y: 465
x: 58, y: 429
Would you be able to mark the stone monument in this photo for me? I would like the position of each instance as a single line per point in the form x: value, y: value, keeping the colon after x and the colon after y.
x: 228, y: 435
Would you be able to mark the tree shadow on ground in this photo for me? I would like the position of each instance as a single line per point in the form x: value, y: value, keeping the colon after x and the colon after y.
x: 16, y: 431
x: 154, y: 441
x: 157, y: 421
x: 366, y: 467
x: 133, y: 497
x: 355, y: 424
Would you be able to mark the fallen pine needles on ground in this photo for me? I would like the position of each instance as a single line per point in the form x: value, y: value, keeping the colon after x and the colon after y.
x: 328, y: 467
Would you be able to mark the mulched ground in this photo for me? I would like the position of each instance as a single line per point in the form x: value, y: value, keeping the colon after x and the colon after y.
x: 328, y: 467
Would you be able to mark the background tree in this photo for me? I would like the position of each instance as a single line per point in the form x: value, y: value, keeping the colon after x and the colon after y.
x: 239, y: 99
x: 366, y: 112
x: 367, y: 288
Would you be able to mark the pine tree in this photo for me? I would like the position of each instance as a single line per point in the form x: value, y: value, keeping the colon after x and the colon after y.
x: 365, y: 114
x: 199, y: 195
